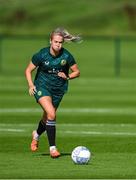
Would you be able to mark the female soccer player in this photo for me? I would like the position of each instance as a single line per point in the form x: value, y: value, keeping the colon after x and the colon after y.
x: 51, y: 82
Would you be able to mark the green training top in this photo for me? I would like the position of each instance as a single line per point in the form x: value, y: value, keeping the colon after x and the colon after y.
x: 48, y: 68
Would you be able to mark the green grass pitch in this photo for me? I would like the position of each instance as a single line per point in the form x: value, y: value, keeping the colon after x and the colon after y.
x: 98, y: 112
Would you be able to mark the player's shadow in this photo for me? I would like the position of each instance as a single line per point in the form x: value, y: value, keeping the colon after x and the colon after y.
x: 62, y: 154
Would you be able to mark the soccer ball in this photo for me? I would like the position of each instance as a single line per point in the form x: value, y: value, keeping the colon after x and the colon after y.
x: 81, y: 155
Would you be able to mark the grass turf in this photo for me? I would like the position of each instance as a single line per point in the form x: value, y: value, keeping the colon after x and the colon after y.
x: 107, y: 129
x: 98, y: 112
x: 112, y: 155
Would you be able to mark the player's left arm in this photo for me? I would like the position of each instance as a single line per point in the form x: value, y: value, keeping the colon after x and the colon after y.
x: 74, y: 73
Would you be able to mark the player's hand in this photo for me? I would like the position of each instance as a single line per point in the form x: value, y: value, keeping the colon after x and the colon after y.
x: 62, y: 75
x: 32, y: 90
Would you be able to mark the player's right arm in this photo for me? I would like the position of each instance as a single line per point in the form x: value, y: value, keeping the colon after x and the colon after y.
x: 28, y: 73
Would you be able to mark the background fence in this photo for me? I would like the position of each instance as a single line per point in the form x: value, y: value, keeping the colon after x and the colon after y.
x: 97, y: 56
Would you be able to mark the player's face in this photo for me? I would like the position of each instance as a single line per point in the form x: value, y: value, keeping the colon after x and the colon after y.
x: 57, y: 42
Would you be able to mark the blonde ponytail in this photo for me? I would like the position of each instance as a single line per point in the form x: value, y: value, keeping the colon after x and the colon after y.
x: 66, y: 35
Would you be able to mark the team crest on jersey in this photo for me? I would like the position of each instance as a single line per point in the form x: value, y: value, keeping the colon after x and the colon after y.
x: 63, y: 62
x: 39, y: 93
x: 46, y: 62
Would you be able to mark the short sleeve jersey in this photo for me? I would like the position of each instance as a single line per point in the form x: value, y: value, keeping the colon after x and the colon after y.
x: 48, y: 68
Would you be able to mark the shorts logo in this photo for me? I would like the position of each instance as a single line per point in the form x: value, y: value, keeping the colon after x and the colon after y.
x: 63, y: 62
x: 39, y: 93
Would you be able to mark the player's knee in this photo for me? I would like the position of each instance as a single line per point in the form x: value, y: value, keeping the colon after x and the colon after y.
x: 51, y: 115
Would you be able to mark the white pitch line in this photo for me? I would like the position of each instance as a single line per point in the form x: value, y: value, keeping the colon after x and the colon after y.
x: 19, y: 110
x: 75, y: 125
x: 11, y: 130
x: 92, y: 129
x: 79, y: 133
x: 123, y: 111
x: 100, y: 133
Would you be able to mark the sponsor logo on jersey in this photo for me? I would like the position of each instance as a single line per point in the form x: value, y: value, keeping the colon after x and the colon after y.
x: 63, y: 62
x: 39, y: 93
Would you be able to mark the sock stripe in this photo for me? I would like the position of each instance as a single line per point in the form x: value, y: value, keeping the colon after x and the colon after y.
x: 51, y: 123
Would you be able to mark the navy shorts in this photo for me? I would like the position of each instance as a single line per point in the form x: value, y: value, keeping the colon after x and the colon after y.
x: 41, y: 92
